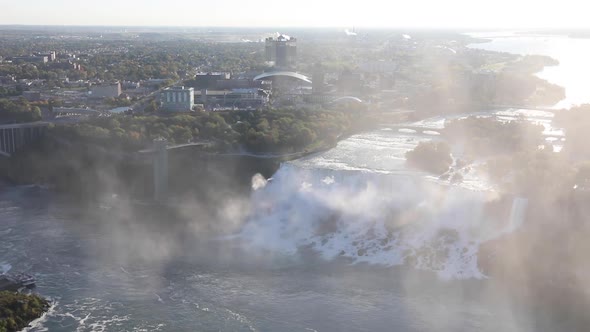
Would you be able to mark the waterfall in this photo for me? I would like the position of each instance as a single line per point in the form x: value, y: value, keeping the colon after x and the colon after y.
x: 384, y: 219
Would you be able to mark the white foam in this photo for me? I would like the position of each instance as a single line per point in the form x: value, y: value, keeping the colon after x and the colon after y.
x: 4, y: 268
x: 37, y: 324
x: 407, y: 131
x: 89, y: 314
x: 360, y: 201
x: 374, y: 218
x: 258, y: 182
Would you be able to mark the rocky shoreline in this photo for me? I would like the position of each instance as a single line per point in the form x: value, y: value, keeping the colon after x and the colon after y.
x: 18, y: 310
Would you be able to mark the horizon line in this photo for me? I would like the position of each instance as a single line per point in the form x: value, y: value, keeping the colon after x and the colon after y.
x: 294, y: 27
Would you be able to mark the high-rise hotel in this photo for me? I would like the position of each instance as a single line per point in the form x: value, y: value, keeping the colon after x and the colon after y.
x: 282, y: 51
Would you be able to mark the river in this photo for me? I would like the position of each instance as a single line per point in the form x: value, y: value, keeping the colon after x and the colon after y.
x: 345, y: 240
x: 108, y: 270
x: 573, y: 71
x: 323, y: 246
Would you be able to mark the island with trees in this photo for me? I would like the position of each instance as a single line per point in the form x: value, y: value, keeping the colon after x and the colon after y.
x: 18, y: 310
x: 518, y: 161
x: 433, y: 157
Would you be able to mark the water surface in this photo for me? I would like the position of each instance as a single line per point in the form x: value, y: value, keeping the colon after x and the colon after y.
x: 573, y: 71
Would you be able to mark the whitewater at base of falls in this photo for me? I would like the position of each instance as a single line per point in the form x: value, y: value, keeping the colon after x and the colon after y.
x: 374, y: 218
x: 4, y: 268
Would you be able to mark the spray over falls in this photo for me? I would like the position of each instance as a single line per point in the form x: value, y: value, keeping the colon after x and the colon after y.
x: 375, y: 218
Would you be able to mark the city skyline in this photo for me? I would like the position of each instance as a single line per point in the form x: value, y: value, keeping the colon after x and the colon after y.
x: 307, y: 13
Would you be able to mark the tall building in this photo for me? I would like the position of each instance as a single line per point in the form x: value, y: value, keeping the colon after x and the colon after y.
x: 282, y: 51
x: 107, y: 90
x: 51, y: 56
x: 178, y: 99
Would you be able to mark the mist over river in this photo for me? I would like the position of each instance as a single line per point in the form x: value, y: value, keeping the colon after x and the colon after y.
x: 345, y: 240
x: 348, y: 239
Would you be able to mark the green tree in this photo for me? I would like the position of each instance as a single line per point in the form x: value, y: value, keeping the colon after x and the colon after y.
x: 434, y: 157
x: 181, y: 134
x: 152, y: 107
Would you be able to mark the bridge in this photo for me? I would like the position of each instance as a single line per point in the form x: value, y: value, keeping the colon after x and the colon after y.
x: 418, y: 129
x: 522, y: 107
x: 14, y: 137
x: 347, y: 99
x: 176, y: 146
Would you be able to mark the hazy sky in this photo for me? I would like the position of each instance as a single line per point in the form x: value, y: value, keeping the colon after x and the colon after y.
x: 366, y: 13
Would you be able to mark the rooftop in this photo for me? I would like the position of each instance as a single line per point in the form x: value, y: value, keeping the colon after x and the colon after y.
x: 285, y: 74
x: 281, y: 37
x: 178, y: 88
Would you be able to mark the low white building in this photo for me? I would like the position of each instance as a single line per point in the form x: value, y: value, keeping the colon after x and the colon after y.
x: 177, y: 99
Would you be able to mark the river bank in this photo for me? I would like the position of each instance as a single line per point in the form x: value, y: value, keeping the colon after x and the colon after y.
x: 81, y: 162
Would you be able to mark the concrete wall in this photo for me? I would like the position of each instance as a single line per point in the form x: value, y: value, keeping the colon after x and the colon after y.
x: 15, y: 137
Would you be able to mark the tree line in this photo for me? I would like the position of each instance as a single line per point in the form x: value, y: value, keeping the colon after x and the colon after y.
x: 273, y: 130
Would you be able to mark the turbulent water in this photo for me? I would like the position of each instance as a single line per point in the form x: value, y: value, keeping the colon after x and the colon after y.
x: 96, y: 288
x: 349, y: 239
x: 389, y: 218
